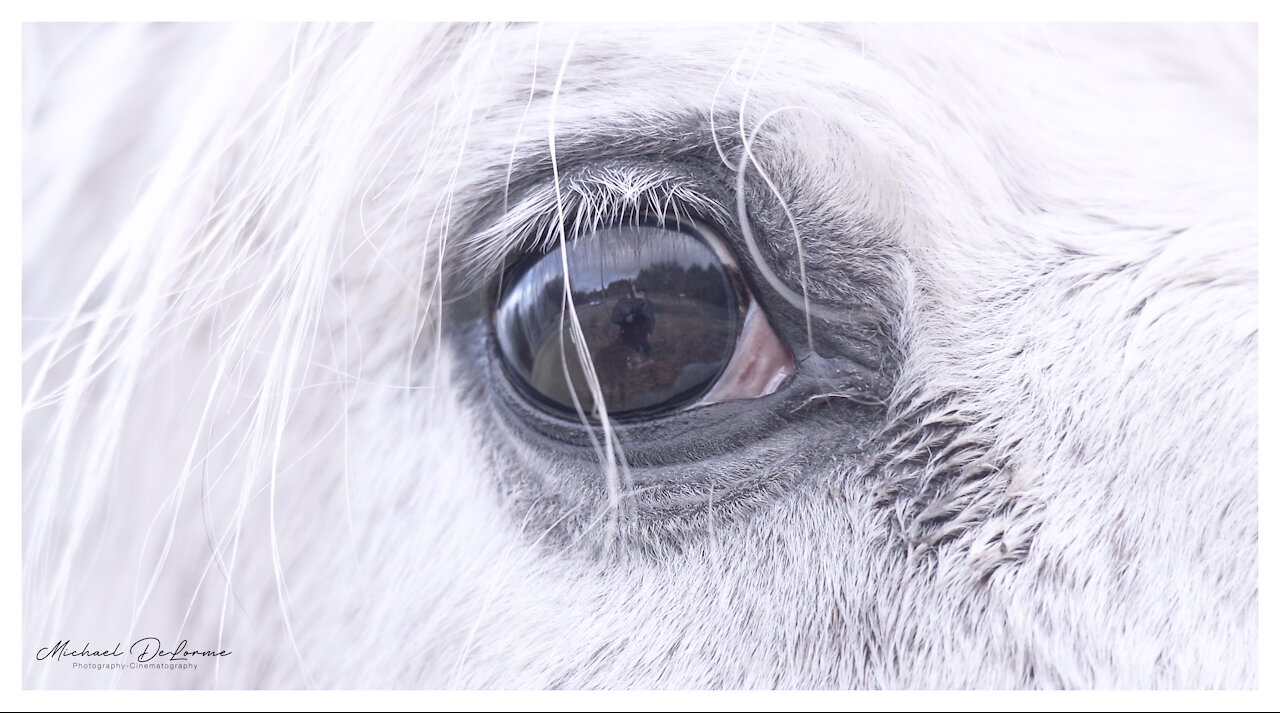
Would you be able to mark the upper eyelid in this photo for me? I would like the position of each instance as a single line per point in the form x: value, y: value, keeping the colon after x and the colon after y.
x: 592, y: 197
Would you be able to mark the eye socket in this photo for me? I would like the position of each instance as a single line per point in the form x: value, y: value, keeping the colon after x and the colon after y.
x: 662, y: 310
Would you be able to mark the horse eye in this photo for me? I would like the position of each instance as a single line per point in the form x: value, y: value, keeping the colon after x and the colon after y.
x: 662, y: 311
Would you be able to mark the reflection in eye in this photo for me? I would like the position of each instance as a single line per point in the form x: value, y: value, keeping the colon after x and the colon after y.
x: 658, y: 310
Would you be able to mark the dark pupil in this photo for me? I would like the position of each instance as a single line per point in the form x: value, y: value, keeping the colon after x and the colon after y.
x: 657, y: 309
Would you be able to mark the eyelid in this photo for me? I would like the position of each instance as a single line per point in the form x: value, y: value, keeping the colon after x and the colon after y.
x: 592, y: 198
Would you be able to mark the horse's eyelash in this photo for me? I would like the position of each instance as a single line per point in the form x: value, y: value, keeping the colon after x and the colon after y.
x: 590, y: 200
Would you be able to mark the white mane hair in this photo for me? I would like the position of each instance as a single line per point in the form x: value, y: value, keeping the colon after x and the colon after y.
x: 255, y: 418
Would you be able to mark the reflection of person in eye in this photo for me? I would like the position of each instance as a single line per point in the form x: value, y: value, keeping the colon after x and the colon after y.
x: 634, y: 315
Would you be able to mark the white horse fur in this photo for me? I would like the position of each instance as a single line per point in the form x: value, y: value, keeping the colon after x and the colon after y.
x: 250, y: 422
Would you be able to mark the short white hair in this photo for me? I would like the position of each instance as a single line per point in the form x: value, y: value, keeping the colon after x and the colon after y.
x: 244, y: 424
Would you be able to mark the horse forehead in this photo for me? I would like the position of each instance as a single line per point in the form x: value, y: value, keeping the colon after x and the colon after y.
x: 1034, y: 114
x: 836, y: 60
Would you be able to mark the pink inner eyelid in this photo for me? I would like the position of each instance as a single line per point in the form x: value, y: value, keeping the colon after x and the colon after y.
x: 760, y: 365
